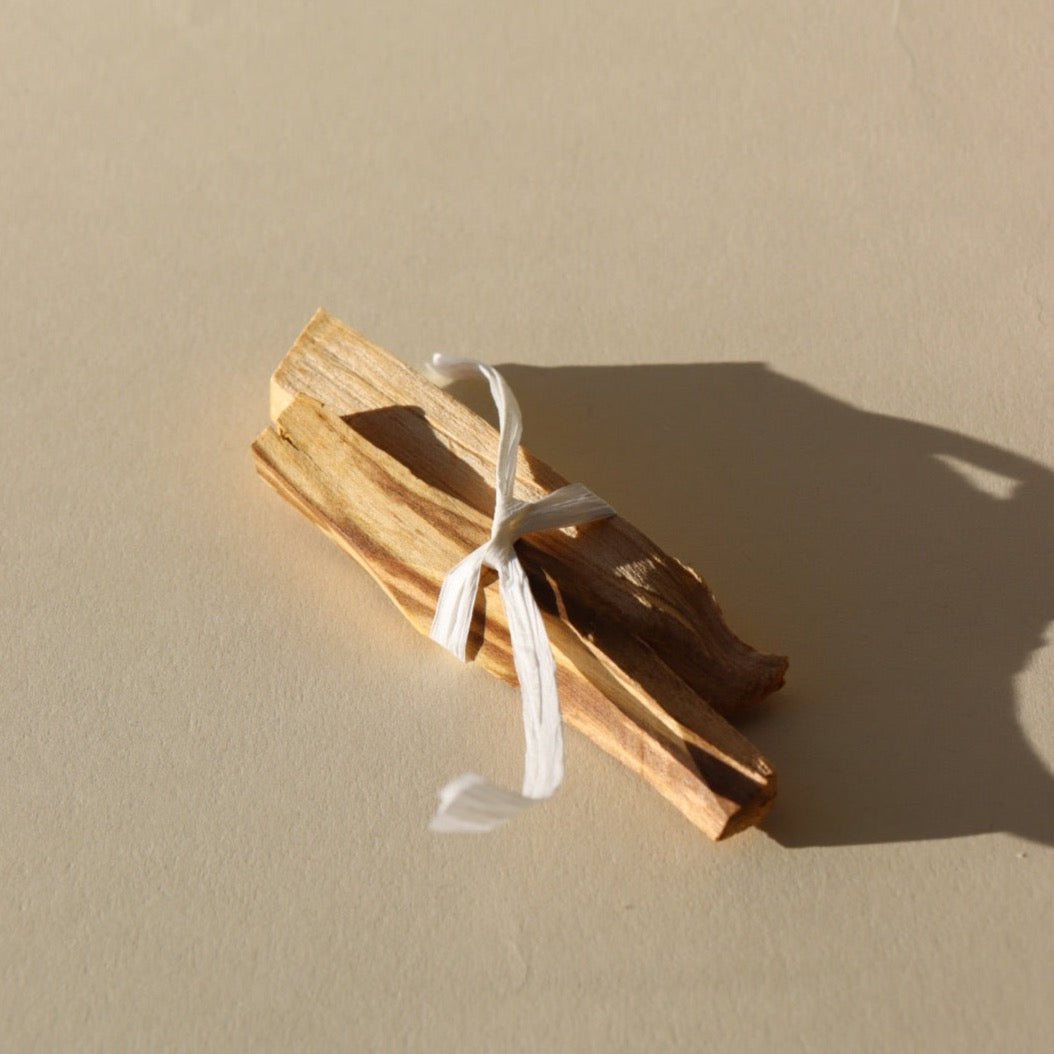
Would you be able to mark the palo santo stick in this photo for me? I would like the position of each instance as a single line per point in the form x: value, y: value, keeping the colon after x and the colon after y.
x: 650, y: 595
x: 408, y: 533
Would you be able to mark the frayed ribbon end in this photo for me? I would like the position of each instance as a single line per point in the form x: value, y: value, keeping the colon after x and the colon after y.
x: 472, y: 805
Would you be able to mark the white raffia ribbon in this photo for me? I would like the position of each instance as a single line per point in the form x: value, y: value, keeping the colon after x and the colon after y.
x: 471, y: 803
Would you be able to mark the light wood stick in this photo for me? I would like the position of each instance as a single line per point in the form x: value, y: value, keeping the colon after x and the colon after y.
x: 408, y: 532
x: 652, y: 596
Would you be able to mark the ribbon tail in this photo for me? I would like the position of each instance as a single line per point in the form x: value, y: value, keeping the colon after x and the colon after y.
x: 543, y: 767
x: 472, y: 805
x: 457, y: 601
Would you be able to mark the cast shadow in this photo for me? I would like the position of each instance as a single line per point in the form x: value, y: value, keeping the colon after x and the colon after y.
x: 865, y: 547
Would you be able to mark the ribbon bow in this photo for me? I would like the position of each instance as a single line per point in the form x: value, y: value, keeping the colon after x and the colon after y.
x: 471, y: 803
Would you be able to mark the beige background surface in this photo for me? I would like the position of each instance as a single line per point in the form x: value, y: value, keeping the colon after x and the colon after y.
x: 776, y: 279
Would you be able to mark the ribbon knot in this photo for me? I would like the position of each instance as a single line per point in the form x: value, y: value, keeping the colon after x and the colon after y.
x: 471, y: 803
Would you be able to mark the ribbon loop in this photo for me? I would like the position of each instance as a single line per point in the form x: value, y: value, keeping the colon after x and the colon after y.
x: 471, y: 803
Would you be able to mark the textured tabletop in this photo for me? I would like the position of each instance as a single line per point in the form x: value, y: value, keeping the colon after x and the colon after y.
x: 777, y: 281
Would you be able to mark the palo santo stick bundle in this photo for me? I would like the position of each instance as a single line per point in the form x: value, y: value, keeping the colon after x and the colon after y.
x: 395, y: 470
